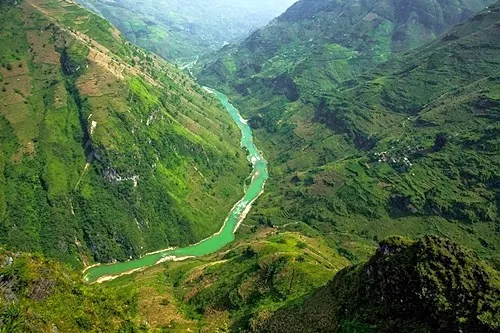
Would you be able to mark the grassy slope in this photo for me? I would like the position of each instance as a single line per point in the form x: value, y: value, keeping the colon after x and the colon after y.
x: 262, y: 271
x: 165, y: 164
x: 271, y: 279
x: 325, y: 148
x: 315, y: 45
x: 276, y: 280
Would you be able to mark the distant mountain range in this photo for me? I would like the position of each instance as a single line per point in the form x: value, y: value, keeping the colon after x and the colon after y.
x: 179, y: 30
x: 378, y: 118
x: 318, y: 44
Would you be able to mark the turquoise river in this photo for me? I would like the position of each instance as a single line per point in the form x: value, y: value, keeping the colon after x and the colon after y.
x: 214, y: 243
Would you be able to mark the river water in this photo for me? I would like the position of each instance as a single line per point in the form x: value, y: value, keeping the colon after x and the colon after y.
x: 217, y: 241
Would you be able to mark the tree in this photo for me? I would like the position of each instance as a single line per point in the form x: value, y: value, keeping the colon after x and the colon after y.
x: 440, y: 141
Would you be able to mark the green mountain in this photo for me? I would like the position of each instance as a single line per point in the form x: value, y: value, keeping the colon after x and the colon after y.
x: 177, y: 29
x: 317, y: 44
x: 106, y: 151
x: 406, y: 147
x: 430, y: 285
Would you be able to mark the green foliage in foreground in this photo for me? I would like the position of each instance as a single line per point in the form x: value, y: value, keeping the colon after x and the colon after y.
x: 259, y: 275
x: 431, y: 285
x: 38, y: 295
x: 263, y: 270
x: 272, y: 281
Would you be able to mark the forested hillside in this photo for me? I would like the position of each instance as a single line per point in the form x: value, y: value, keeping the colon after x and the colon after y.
x: 106, y: 151
x: 179, y: 30
x: 406, y: 147
x: 378, y: 118
x: 430, y: 285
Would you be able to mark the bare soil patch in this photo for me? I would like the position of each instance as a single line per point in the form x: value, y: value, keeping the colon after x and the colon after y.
x: 15, y: 69
x: 27, y: 149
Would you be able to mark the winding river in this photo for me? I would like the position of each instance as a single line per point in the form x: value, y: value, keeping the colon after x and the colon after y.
x: 214, y: 243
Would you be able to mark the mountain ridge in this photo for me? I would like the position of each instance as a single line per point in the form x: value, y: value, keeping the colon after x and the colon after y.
x: 107, y: 148
x: 356, y: 35
x: 408, y: 147
x: 180, y: 31
x: 406, y: 286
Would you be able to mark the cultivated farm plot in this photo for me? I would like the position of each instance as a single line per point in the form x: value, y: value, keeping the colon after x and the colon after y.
x: 14, y: 106
x: 97, y: 81
x: 42, y: 49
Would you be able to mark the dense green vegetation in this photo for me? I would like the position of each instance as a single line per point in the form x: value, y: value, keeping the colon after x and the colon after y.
x: 261, y: 275
x: 39, y: 295
x: 275, y: 280
x: 316, y: 44
x: 431, y: 285
x: 362, y: 151
x: 106, y: 152
x: 280, y: 279
x: 179, y: 30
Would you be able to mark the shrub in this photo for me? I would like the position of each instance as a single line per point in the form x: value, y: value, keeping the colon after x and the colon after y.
x: 301, y: 245
x: 440, y: 141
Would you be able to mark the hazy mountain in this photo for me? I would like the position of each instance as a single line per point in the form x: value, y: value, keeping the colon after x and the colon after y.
x: 317, y: 44
x: 184, y: 28
x: 108, y: 152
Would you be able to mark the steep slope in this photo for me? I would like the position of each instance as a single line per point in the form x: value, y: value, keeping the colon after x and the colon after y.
x: 431, y: 285
x: 408, y: 147
x: 317, y: 44
x: 272, y: 281
x: 176, y: 29
x: 106, y: 151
